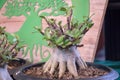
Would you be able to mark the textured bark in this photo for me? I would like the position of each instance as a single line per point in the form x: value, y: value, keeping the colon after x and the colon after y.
x: 64, y: 59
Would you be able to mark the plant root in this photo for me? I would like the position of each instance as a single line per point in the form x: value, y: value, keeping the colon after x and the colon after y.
x: 64, y: 59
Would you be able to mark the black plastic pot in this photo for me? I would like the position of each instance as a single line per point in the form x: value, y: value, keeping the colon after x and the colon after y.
x: 21, y: 61
x: 112, y: 75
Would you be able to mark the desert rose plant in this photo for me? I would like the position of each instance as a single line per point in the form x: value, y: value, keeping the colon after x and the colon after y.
x: 8, y: 51
x: 65, y: 39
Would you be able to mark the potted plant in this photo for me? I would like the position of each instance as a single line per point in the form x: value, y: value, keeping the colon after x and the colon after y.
x: 18, y: 64
x: 65, y: 61
x: 8, y: 52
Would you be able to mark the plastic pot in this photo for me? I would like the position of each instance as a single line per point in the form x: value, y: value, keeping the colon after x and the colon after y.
x: 23, y: 63
x: 112, y: 74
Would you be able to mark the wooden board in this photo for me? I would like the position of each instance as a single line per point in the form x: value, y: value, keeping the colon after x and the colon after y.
x: 90, y: 40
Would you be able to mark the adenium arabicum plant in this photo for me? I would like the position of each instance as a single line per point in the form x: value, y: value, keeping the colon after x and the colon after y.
x: 65, y: 39
x: 8, y: 52
x: 8, y: 49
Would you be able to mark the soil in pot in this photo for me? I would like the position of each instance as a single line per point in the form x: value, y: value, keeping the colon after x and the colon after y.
x: 13, y: 65
x: 90, y: 72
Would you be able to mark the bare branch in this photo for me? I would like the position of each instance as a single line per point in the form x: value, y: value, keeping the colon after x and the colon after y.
x: 81, y: 45
x: 60, y: 27
x: 85, y: 30
x: 49, y: 24
x: 39, y: 30
x: 14, y: 45
x: 1, y: 42
x: 69, y: 19
x: 53, y: 23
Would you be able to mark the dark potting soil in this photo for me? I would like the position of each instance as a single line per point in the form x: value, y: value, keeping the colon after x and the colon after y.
x: 14, y: 64
x: 90, y: 72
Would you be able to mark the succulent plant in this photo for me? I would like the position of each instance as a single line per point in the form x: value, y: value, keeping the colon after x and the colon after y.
x: 65, y: 39
x: 67, y: 35
x: 8, y: 50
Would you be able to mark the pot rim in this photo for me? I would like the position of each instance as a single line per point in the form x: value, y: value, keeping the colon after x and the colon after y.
x: 21, y: 60
x: 112, y: 74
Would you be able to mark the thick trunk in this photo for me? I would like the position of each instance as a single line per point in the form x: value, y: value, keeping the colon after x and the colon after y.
x: 64, y: 58
x: 4, y: 75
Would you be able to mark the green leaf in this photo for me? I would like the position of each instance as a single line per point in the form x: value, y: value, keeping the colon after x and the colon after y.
x: 48, y: 36
x: 47, y: 33
x: 59, y: 23
x: 82, y: 28
x: 68, y: 43
x: 63, y: 9
x: 73, y: 32
x: 70, y: 33
x: 4, y: 57
x: 61, y: 44
x: 16, y: 37
x: 77, y: 35
x: 60, y: 39
x: 42, y: 17
x: 76, y: 41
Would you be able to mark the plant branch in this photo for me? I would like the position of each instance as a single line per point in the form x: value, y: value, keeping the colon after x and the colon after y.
x: 81, y: 45
x: 49, y: 24
x: 69, y: 19
x: 14, y: 45
x: 2, y: 41
x: 38, y: 29
x: 61, y: 27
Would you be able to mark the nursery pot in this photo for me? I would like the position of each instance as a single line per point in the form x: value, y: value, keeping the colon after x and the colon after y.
x: 19, y: 64
x: 111, y: 75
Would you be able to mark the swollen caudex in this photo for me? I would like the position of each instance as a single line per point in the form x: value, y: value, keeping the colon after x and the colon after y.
x: 64, y: 59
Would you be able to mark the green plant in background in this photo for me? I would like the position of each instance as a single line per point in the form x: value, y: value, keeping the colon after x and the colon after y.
x: 8, y: 52
x: 65, y: 39
x: 31, y: 9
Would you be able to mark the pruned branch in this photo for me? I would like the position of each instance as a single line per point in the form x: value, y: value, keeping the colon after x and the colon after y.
x: 41, y: 32
x: 48, y: 22
x: 60, y: 26
x: 81, y: 45
x: 69, y: 19
x: 13, y: 46
x: 38, y: 29
x: 2, y: 40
